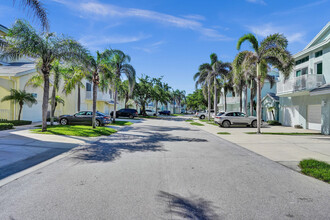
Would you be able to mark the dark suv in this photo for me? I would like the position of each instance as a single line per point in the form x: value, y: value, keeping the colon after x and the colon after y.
x: 126, y: 112
x: 85, y: 117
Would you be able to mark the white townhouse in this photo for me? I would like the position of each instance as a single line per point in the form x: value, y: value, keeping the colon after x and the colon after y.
x: 305, y: 96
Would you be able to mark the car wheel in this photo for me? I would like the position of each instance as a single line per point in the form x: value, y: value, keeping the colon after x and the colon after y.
x: 64, y: 121
x: 226, y: 124
x: 154, y: 114
x: 254, y: 124
x: 97, y: 123
x: 131, y: 116
x: 202, y: 117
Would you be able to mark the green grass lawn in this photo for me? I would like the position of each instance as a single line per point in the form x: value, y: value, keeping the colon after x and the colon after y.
x: 316, y: 169
x: 196, y: 123
x: 189, y: 120
x: 223, y: 133
x: 122, y: 123
x: 76, y: 130
x: 177, y: 114
x: 209, y: 122
x: 284, y: 133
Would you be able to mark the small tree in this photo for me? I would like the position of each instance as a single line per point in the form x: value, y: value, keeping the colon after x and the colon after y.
x: 22, y: 97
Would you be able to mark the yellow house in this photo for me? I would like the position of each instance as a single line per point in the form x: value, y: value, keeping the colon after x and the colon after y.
x: 15, y: 74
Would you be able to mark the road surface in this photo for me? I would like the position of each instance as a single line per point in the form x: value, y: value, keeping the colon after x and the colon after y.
x: 164, y: 169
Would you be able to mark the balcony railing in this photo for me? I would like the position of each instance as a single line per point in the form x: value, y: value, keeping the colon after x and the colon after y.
x: 100, y: 96
x: 229, y: 100
x: 300, y: 83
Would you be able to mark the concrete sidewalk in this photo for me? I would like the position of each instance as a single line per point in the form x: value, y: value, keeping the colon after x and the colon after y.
x: 287, y: 150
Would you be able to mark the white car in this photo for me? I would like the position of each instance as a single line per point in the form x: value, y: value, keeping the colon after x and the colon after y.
x: 151, y: 113
x: 203, y: 115
x: 226, y: 119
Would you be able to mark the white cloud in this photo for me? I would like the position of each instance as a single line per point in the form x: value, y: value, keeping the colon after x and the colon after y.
x: 268, y: 29
x: 261, y: 2
x: 300, y: 8
x: 94, y: 10
x: 150, y: 47
x: 96, y: 41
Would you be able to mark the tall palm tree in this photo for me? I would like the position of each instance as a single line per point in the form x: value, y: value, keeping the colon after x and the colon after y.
x: 38, y: 10
x: 20, y: 96
x: 119, y: 62
x: 203, y: 78
x: 73, y: 76
x: 272, y: 50
x: 23, y: 40
x: 95, y: 67
x: 58, y: 100
x: 57, y: 73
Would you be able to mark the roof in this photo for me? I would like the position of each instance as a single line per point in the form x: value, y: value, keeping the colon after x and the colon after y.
x: 3, y: 29
x: 324, y: 89
x: 17, y: 68
x: 272, y: 96
x: 319, y: 40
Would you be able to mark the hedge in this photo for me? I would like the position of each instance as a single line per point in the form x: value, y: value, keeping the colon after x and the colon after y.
x: 274, y: 123
x: 16, y: 122
x: 5, y: 126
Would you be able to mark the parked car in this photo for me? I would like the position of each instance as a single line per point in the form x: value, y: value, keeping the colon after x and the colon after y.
x: 227, y: 119
x: 165, y: 112
x: 126, y: 112
x: 204, y: 114
x: 85, y: 118
x: 151, y: 113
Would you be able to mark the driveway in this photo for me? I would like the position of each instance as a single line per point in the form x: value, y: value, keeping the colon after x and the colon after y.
x: 164, y: 169
x: 285, y: 149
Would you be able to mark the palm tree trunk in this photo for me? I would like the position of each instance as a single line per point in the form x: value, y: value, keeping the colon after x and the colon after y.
x: 225, y: 97
x: 209, y: 99
x: 79, y: 98
x: 240, y: 100
x: 258, y: 101
x: 20, y: 111
x: 215, y: 96
x: 115, y: 106
x: 94, y: 103
x: 246, y: 100
x: 156, y: 107
x: 45, y: 99
x: 52, y: 106
x: 251, y: 101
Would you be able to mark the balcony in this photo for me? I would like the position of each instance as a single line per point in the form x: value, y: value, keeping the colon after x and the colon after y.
x: 100, y: 96
x: 229, y: 100
x: 301, y: 83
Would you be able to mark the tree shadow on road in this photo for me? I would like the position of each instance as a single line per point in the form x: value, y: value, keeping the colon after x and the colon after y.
x: 192, y: 208
x: 110, y: 148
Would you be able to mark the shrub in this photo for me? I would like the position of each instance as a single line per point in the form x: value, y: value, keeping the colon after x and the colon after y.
x: 16, y: 122
x: 5, y: 126
x: 298, y: 126
x: 273, y: 122
x: 316, y: 169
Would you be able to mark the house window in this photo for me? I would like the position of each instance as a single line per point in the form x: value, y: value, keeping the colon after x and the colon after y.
x: 35, y: 95
x: 319, y: 68
x: 304, y: 71
x: 298, y: 73
x: 303, y: 60
x: 318, y: 53
x: 88, y: 87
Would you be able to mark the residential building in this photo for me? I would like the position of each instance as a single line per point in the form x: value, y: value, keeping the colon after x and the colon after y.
x: 15, y: 74
x: 233, y: 101
x: 305, y: 95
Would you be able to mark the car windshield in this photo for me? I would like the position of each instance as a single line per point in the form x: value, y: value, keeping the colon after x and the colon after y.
x: 221, y: 113
x: 100, y: 114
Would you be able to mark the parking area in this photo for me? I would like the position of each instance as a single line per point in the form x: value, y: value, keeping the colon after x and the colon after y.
x: 285, y: 149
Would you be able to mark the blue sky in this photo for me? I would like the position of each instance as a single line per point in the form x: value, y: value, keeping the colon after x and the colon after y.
x: 172, y: 38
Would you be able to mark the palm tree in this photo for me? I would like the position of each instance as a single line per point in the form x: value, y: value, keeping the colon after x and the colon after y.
x: 96, y: 66
x: 272, y: 50
x: 38, y: 10
x: 203, y: 78
x: 119, y: 62
x: 23, y: 40
x: 20, y: 96
x: 56, y: 69
x: 123, y: 92
x: 73, y: 77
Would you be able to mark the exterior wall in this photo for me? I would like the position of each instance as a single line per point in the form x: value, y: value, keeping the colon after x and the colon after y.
x: 302, y: 102
x: 325, y: 119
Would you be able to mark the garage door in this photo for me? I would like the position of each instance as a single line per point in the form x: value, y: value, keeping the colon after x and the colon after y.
x: 314, y: 117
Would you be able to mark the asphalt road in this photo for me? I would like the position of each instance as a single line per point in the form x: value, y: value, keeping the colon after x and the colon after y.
x: 162, y: 169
